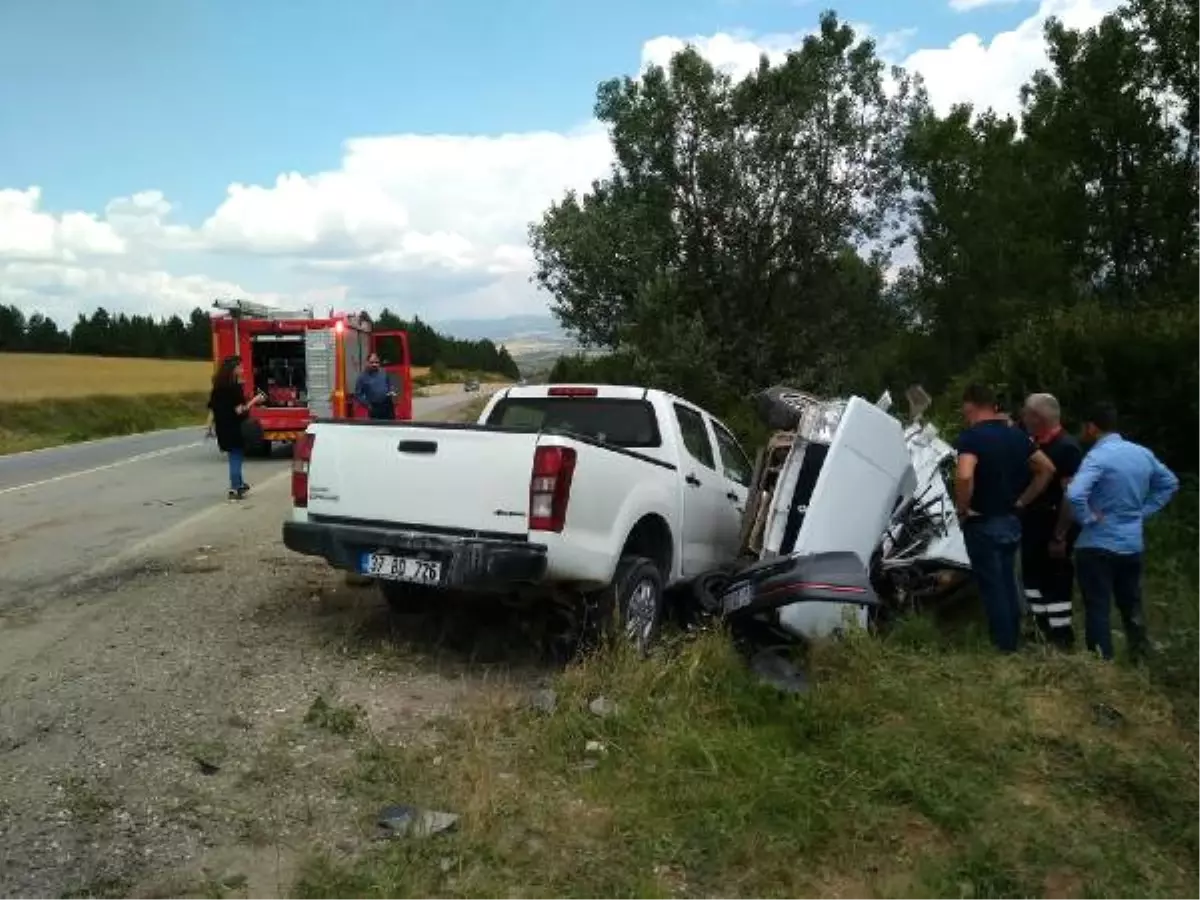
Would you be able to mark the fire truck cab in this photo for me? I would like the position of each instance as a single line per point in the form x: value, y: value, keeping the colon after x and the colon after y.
x: 305, y: 366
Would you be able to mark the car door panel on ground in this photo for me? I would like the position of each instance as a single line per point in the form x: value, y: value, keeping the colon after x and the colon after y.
x: 703, y: 501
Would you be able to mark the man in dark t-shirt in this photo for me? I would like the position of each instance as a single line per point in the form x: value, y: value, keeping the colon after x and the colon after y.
x: 1046, y: 567
x: 999, y: 472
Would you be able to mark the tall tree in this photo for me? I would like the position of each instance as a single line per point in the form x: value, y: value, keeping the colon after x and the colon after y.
x: 722, y: 248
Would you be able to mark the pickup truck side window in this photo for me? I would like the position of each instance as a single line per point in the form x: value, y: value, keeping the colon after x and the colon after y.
x: 695, y: 435
x: 733, y: 460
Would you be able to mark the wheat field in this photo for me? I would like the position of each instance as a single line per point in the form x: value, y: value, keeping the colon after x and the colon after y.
x: 41, y: 376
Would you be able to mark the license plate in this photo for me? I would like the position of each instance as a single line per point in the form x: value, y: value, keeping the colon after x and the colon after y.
x: 738, y: 598
x: 402, y: 568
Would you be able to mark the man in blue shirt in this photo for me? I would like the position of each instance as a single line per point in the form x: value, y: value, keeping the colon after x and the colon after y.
x: 374, y: 390
x: 1119, y: 485
x: 1000, y: 471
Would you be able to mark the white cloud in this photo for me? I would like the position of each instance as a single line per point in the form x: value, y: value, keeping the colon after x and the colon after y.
x: 985, y: 74
x: 967, y: 70
x: 969, y: 5
x: 27, y: 233
x: 434, y: 224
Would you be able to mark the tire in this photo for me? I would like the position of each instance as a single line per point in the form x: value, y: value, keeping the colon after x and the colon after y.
x: 406, y: 599
x: 780, y: 407
x: 631, y: 607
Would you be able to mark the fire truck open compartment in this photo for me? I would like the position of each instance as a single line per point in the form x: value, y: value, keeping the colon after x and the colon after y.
x: 280, y: 369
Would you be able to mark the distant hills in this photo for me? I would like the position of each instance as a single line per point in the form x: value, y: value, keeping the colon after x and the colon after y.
x: 534, y: 341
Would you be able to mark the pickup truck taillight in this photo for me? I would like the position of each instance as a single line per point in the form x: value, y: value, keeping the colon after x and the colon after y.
x: 300, y: 459
x: 550, y: 488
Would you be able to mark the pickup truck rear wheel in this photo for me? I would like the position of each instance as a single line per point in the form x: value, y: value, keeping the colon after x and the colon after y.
x: 406, y: 599
x: 631, y: 608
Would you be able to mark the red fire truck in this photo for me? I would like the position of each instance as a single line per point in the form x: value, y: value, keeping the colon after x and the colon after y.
x: 305, y: 366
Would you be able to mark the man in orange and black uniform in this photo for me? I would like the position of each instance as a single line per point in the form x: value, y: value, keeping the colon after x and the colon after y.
x: 1046, y: 567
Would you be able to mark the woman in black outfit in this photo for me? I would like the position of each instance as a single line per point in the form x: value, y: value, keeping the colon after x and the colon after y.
x: 229, y: 408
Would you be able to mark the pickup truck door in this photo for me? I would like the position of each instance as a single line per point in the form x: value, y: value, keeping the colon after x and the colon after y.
x: 737, y: 471
x: 702, y: 506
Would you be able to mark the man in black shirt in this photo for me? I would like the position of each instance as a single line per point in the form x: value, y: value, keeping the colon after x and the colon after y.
x: 999, y: 472
x: 1046, y: 566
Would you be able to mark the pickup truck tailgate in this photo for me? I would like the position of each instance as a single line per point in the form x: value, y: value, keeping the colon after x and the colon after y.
x: 461, y: 478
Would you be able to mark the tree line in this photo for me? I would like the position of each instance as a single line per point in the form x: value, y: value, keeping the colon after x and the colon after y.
x: 742, y: 236
x: 116, y: 334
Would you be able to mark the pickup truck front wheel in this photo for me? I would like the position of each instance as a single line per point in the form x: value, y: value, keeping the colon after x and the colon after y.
x: 631, y: 607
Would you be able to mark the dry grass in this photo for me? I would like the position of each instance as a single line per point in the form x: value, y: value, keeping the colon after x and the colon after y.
x: 420, y: 371
x: 40, y: 376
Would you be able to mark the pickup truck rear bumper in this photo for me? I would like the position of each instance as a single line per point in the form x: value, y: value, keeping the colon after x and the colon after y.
x: 468, y: 563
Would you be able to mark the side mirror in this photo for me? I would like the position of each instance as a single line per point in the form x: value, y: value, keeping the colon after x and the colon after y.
x: 885, y: 401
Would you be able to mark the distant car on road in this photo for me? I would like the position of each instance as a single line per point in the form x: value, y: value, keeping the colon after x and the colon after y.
x: 471, y: 385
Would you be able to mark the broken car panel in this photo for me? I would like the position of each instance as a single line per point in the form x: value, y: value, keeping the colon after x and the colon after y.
x: 849, y: 511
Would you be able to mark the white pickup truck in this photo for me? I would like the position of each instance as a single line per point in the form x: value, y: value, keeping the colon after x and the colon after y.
x: 606, y: 494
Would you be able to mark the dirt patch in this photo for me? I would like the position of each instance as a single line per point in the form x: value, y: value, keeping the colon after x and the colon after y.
x: 163, y: 742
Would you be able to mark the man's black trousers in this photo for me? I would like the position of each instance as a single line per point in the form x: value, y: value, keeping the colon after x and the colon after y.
x: 1049, y: 582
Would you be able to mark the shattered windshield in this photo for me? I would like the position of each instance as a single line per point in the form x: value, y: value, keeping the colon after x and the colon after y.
x: 623, y: 423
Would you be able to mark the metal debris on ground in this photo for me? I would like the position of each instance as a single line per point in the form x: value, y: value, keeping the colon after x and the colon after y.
x: 409, y: 821
x: 603, y: 707
x: 544, y: 700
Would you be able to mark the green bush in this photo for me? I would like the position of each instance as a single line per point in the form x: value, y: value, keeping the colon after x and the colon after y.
x: 1141, y: 359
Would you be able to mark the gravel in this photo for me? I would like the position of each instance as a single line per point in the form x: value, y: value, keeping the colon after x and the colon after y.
x: 155, y: 741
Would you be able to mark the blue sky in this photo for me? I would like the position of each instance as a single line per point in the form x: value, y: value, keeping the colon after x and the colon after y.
x: 105, y: 98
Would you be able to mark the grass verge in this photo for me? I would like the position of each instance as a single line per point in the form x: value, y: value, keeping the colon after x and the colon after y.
x: 29, y: 425
x: 919, y: 764
x: 468, y: 412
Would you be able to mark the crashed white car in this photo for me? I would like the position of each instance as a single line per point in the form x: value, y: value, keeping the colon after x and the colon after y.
x: 849, y: 513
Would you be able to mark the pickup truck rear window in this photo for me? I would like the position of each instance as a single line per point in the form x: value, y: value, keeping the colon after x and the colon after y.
x: 622, y: 423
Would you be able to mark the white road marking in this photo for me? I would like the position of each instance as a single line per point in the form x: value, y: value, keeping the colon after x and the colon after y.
x: 113, y: 439
x: 121, y: 462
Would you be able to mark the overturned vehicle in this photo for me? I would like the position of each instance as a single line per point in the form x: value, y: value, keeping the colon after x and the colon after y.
x: 849, y: 518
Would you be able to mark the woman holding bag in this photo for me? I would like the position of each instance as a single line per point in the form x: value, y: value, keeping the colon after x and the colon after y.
x: 228, y: 408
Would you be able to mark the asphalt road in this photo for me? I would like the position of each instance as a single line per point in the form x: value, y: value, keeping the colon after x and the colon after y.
x: 74, y: 513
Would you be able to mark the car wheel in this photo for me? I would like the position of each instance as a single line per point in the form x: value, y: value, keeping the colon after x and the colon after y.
x: 406, y: 599
x: 631, y: 607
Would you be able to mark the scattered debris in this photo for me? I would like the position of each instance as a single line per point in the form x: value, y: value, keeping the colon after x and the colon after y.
x: 603, y: 707
x: 596, y: 748
x: 408, y: 821
x: 544, y: 700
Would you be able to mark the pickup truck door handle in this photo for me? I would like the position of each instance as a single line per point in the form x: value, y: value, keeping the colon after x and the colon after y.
x: 732, y: 496
x: 692, y: 480
x: 417, y: 446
